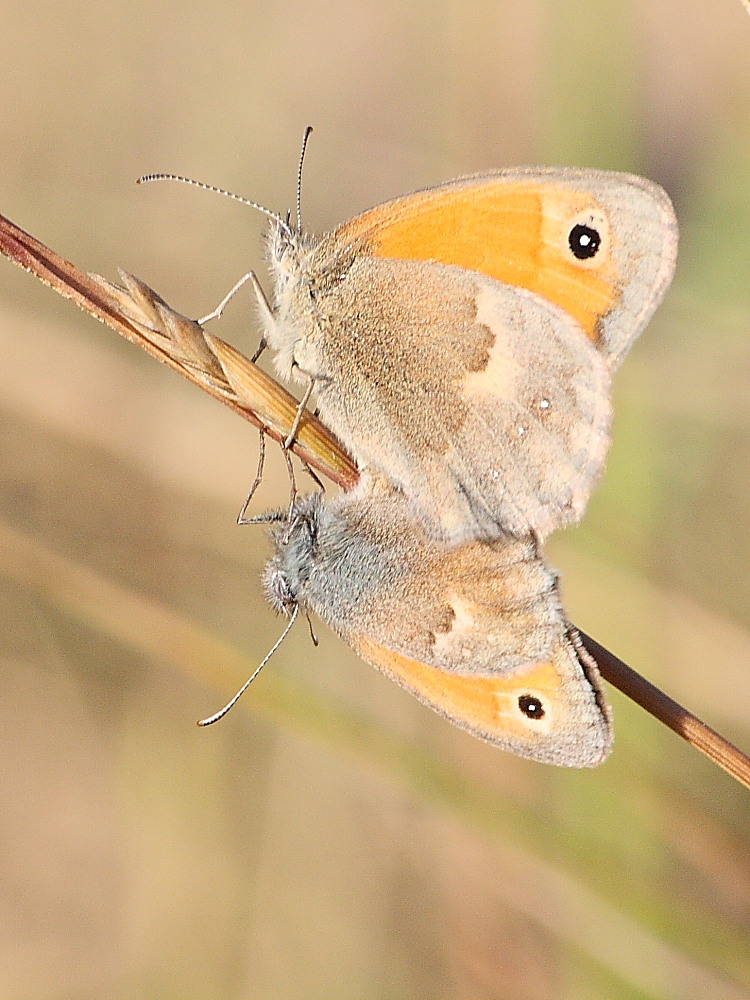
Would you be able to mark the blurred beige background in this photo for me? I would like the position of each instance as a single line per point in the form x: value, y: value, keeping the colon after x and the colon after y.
x: 332, y: 838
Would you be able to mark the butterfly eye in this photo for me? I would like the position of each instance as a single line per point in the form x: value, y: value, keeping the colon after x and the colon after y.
x: 584, y: 241
x: 531, y: 706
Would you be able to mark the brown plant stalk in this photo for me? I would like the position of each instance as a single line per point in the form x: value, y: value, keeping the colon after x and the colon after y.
x: 136, y: 312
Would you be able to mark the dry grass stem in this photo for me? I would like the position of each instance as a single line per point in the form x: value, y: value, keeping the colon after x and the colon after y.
x: 140, y: 315
x: 136, y: 312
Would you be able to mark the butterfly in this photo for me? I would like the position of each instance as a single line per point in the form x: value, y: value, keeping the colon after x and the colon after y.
x: 461, y: 340
x: 476, y: 632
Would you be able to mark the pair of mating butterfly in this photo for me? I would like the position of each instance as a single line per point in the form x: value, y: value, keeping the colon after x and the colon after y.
x: 461, y: 342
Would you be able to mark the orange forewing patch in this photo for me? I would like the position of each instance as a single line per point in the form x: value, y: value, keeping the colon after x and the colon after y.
x: 480, y: 702
x: 507, y: 230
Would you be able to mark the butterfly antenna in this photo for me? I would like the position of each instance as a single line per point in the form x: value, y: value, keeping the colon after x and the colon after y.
x: 148, y: 178
x: 308, y: 133
x: 222, y: 712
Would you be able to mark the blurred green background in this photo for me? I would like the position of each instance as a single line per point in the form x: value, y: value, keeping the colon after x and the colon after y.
x: 332, y: 838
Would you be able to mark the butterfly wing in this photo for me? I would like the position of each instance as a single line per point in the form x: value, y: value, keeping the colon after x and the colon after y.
x: 551, y: 711
x: 476, y: 633
x: 463, y: 338
x: 482, y: 402
x: 600, y: 245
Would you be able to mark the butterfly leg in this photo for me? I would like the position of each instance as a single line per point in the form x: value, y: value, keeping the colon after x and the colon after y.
x: 241, y: 519
x: 261, y: 347
x: 312, y: 474
x: 260, y: 295
x: 313, y: 636
x: 300, y: 412
x: 292, y: 494
x: 216, y: 313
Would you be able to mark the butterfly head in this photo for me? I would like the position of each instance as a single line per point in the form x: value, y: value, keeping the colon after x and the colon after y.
x: 289, y: 247
x: 288, y: 571
x: 288, y: 254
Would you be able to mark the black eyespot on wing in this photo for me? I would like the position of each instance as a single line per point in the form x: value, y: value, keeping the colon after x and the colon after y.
x: 584, y: 241
x: 531, y: 706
